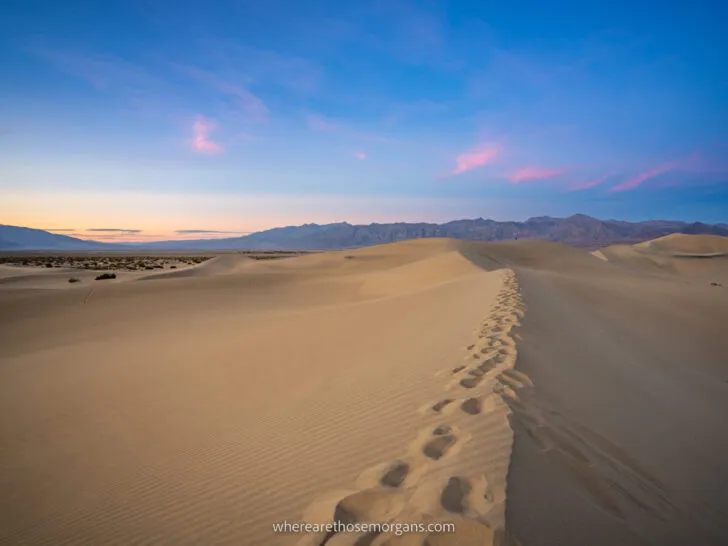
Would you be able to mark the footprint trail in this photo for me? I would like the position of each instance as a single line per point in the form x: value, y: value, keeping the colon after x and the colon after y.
x: 455, y: 468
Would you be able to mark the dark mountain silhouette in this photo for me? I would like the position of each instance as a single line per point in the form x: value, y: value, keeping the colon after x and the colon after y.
x: 23, y: 238
x: 578, y: 230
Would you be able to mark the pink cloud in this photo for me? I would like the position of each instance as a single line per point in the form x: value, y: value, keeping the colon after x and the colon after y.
x: 476, y: 157
x: 641, y: 178
x: 201, y: 142
x: 592, y: 183
x: 360, y: 155
x: 533, y: 173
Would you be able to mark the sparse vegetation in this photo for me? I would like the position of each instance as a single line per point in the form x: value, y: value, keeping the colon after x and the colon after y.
x: 74, y: 279
x: 95, y: 262
x: 131, y: 262
x: 105, y: 276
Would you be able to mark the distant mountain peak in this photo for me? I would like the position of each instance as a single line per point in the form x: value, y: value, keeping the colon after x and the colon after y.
x: 25, y: 238
x: 578, y: 230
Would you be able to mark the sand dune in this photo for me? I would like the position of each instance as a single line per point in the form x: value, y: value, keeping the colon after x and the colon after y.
x: 206, y: 408
x: 220, y: 265
x: 681, y: 244
x: 56, y: 278
x: 622, y: 437
x: 693, y: 257
x: 393, y: 383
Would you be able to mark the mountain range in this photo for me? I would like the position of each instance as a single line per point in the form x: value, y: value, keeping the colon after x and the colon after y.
x: 577, y: 230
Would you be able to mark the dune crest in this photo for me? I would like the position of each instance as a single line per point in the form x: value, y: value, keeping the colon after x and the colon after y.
x: 205, y: 408
x: 683, y: 244
x: 373, y: 385
x: 454, y: 469
x: 693, y: 257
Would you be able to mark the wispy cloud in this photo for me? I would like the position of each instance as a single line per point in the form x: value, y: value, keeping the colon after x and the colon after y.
x: 201, y: 142
x: 269, y: 68
x: 58, y: 230
x: 637, y: 181
x: 534, y: 173
x: 591, y: 183
x: 199, y: 231
x: 103, y: 73
x: 690, y: 166
x: 475, y: 157
x: 255, y: 109
x: 115, y: 230
x: 144, y: 89
x: 360, y: 155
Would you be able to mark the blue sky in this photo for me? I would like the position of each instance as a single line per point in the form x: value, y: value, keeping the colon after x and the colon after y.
x: 153, y: 117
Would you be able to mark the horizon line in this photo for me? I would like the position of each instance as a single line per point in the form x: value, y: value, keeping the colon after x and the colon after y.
x: 116, y: 240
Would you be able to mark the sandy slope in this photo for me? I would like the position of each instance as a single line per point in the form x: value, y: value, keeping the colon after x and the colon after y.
x: 220, y: 265
x: 694, y: 257
x: 623, y: 438
x: 202, y: 409
x: 382, y: 384
x: 14, y: 277
x: 36, y: 278
x: 679, y: 243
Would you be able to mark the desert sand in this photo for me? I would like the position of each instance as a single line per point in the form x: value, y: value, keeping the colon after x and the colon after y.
x: 528, y: 392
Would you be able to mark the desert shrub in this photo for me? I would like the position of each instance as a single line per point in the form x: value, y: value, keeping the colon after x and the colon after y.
x: 173, y: 267
x: 74, y: 279
x: 105, y: 276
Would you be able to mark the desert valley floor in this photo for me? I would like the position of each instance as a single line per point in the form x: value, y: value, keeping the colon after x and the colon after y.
x: 529, y: 392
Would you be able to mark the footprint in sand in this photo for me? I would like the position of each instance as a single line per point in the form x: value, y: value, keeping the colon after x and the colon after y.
x: 443, y: 439
x: 471, y: 382
x: 441, y: 430
x: 471, y: 406
x: 476, y: 372
x: 369, y: 505
x: 488, y: 365
x: 515, y: 379
x: 437, y: 407
x: 395, y: 475
x: 477, y: 375
x: 467, y: 496
x: 455, y: 494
